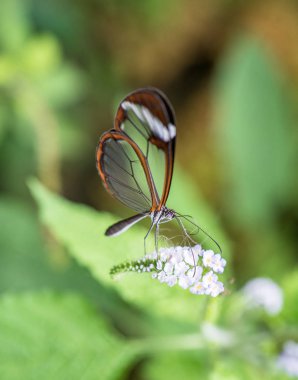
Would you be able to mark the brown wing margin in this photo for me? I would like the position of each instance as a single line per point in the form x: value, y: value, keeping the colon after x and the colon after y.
x: 115, y: 135
x: 158, y: 104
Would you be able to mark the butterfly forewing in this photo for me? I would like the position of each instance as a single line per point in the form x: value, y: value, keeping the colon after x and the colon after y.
x: 146, y: 116
x: 135, y: 160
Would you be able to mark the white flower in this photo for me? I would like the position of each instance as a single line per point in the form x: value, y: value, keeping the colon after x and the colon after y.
x: 218, y: 263
x: 208, y: 258
x: 159, y: 265
x: 190, y: 256
x: 184, y: 281
x: 215, y: 288
x: 198, y: 288
x: 265, y: 293
x: 178, y: 248
x: 291, y: 348
x: 171, y: 280
x: 288, y: 359
x: 168, y: 268
x: 177, y: 256
x: 209, y: 278
x: 181, y: 268
x: 162, y: 276
x: 153, y: 256
x: 195, y: 274
x: 198, y: 249
x: 164, y: 254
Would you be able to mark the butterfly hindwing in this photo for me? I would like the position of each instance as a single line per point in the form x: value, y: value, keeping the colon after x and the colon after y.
x: 122, y: 172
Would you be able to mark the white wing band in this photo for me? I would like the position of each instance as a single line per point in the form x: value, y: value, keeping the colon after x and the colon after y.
x: 157, y: 128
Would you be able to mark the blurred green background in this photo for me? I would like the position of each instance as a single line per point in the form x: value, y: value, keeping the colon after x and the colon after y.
x: 230, y: 69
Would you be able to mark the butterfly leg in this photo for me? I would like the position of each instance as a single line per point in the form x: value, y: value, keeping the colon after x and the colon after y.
x: 156, y: 234
x: 145, y: 238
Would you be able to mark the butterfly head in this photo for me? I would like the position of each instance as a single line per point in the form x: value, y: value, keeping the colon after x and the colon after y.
x: 163, y: 215
x: 168, y: 214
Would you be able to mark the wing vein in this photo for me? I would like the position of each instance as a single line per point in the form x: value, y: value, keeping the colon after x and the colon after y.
x: 137, y: 128
x: 116, y: 163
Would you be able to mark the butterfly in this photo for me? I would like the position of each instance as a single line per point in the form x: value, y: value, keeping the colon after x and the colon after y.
x: 135, y: 160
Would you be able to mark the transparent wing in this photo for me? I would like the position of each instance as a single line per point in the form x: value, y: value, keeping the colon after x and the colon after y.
x: 122, y: 172
x: 147, y: 118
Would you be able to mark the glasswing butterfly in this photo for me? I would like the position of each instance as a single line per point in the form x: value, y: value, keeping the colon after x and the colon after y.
x: 135, y: 160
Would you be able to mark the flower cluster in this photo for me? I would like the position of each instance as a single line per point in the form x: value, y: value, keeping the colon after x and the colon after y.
x: 288, y: 359
x: 264, y: 293
x: 189, y: 267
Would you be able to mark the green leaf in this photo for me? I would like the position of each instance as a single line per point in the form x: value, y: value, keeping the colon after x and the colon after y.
x: 27, y: 263
x: 22, y: 255
x: 3, y: 117
x: 174, y: 366
x: 81, y: 230
x: 47, y: 336
x: 289, y: 313
x: 17, y: 146
x: 254, y: 133
x: 14, y: 25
